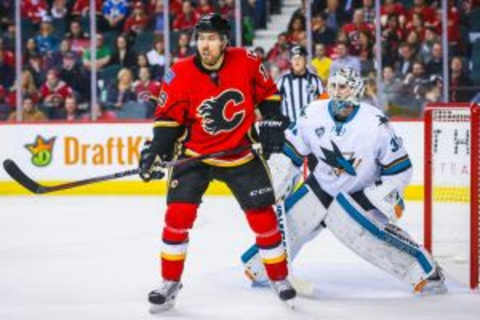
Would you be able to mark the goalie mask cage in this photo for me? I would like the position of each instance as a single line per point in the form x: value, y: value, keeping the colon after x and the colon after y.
x: 451, y: 191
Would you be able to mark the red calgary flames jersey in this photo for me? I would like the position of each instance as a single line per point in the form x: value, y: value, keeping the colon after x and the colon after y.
x: 218, y: 109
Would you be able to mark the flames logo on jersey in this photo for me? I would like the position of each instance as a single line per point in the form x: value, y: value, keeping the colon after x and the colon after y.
x: 339, y: 162
x: 213, y: 112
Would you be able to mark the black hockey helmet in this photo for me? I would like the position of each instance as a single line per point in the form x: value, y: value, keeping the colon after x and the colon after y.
x: 213, y: 22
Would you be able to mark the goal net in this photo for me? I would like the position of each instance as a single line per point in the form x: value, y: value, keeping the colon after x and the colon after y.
x: 451, y: 210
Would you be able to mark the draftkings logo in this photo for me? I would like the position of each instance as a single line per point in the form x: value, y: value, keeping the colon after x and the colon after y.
x: 41, y: 150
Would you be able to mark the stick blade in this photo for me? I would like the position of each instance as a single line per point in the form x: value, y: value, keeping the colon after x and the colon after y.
x: 17, y: 174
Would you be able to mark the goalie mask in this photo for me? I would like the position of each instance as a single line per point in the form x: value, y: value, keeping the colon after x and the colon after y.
x: 345, y: 88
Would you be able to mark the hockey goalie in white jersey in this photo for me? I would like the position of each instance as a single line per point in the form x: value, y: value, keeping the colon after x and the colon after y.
x: 356, y: 189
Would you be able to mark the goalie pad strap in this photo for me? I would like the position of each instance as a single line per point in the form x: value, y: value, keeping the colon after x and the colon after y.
x: 382, y: 244
x: 323, y: 196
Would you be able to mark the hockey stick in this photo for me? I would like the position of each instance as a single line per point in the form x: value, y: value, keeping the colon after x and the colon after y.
x: 20, y: 177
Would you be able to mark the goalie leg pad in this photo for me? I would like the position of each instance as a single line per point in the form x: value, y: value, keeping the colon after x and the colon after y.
x: 300, y: 220
x: 384, y: 245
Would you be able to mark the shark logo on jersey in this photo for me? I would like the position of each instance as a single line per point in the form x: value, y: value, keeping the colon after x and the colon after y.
x: 382, y: 119
x: 320, y: 132
x: 339, y: 162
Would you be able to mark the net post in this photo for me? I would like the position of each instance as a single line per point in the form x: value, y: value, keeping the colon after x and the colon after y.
x: 474, y: 195
x: 427, y: 181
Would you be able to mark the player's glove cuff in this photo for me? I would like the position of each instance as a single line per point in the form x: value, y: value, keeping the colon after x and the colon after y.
x: 150, y: 163
x: 272, y: 136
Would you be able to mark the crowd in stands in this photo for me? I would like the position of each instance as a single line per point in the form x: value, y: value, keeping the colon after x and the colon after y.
x: 130, y: 52
x: 343, y: 33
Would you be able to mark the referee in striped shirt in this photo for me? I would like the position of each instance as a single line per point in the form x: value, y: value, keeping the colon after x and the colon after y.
x: 298, y: 86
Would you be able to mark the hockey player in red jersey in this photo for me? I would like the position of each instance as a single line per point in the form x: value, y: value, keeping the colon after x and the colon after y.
x: 207, y: 103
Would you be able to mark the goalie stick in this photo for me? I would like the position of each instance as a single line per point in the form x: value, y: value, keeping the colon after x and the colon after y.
x: 20, y: 177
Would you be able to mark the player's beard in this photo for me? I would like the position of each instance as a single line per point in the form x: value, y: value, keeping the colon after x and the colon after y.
x: 210, y: 61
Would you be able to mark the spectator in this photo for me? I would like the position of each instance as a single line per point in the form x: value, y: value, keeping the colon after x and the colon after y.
x: 403, y: 65
x: 59, y: 9
x: 7, y: 72
x: 187, y: 19
x: 114, y: 12
x: 35, y: 65
x: 73, y: 74
x: 426, y: 46
x: 52, y: 59
x: 147, y: 90
x: 296, y: 30
x: 183, y: 49
x: 79, y: 39
x: 370, y: 95
x: 435, y: 64
x: 353, y: 29
x: 45, y: 40
x: 420, y: 7
x: 8, y: 37
x: 344, y: 59
x: 7, y: 18
x: 392, y: 35
x: 417, y: 24
x: 156, y: 58
x: 141, y: 62
x: 28, y: 88
x: 413, y: 39
x: 460, y: 82
x: 8, y: 57
x: 71, y: 112
x: 158, y: 18
x: 121, y: 92
x: 415, y: 85
x: 54, y: 90
x: 29, y: 112
x: 321, y: 63
x: 82, y: 7
x: 365, y: 45
x: 137, y: 21
x: 279, y: 55
x: 227, y: 9
x: 368, y: 11
x: 102, y: 53
x: 175, y: 7
x: 53, y: 94
x: 336, y: 17
x: 391, y: 88
x: 392, y: 7
x: 34, y: 10
x: 320, y: 32
x: 123, y: 55
x: 204, y: 7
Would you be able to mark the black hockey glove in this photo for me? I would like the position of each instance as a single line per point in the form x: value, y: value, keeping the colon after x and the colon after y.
x: 272, y: 135
x: 150, y: 163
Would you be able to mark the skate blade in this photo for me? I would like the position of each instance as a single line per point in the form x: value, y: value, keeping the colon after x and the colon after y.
x: 290, y: 303
x: 159, y: 308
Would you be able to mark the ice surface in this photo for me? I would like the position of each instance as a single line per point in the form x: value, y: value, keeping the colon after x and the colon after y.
x: 97, y: 258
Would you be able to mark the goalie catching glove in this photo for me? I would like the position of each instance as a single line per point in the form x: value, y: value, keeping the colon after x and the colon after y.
x: 272, y: 135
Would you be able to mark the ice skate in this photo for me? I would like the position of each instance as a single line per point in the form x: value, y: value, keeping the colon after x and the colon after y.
x: 285, y: 291
x: 163, y: 298
x: 435, y: 284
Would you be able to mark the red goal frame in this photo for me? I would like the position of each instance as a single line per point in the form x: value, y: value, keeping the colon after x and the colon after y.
x: 474, y: 182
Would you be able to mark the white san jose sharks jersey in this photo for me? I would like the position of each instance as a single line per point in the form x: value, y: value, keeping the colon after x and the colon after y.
x: 352, y: 154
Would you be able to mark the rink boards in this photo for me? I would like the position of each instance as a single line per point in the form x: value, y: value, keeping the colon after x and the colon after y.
x: 58, y: 152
